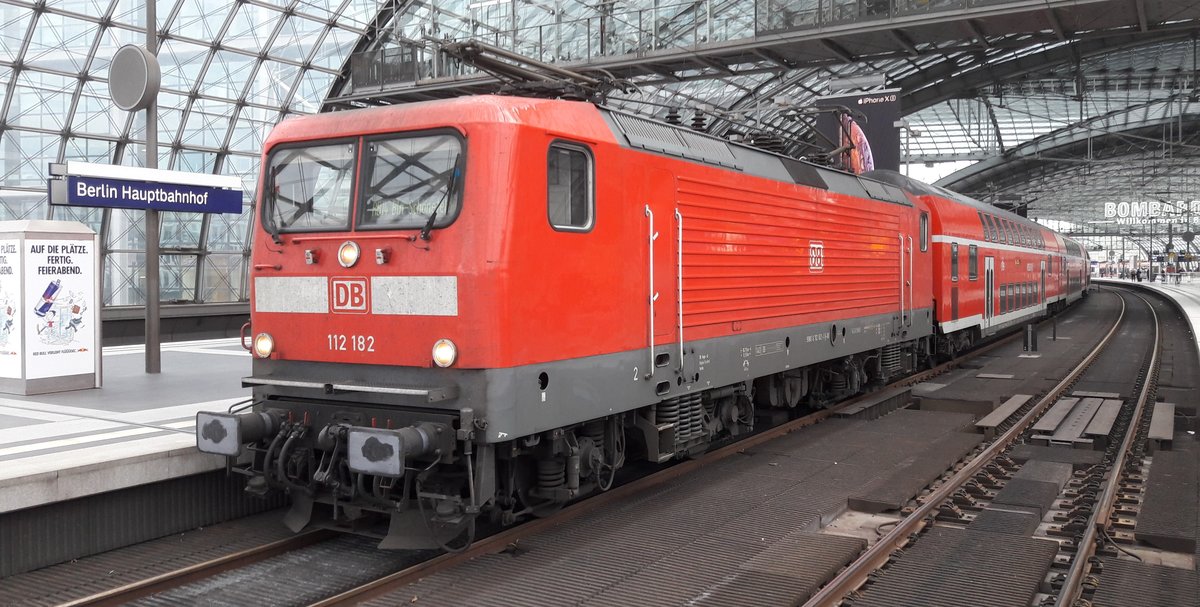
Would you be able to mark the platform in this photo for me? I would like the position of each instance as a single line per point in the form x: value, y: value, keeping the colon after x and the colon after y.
x: 135, y: 430
x: 1186, y: 294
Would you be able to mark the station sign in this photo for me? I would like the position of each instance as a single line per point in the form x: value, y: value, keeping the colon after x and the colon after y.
x: 120, y: 187
x: 1153, y: 211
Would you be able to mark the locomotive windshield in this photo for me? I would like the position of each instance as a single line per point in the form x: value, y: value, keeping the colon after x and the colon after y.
x: 412, y: 182
x: 311, y: 187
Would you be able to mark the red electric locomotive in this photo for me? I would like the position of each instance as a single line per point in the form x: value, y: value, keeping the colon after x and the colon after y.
x: 488, y: 305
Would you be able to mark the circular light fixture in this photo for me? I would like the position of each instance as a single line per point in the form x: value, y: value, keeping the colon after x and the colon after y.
x: 348, y: 254
x: 264, y: 344
x: 444, y: 353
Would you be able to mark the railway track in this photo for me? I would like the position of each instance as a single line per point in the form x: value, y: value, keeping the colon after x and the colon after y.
x: 1098, y: 525
x: 247, y: 558
x: 186, y: 575
x: 850, y: 578
x: 1081, y: 549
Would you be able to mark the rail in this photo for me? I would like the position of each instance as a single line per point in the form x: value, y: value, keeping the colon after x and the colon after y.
x: 173, y: 579
x: 1073, y: 585
x: 877, y: 555
x: 127, y: 593
x: 499, y: 541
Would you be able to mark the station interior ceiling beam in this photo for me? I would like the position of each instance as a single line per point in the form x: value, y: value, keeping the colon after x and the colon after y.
x: 1084, y: 93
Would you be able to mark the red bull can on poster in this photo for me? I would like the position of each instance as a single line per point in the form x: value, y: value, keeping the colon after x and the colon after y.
x: 48, y: 298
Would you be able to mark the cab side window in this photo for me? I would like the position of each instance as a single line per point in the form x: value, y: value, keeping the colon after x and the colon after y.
x: 924, y: 232
x: 569, y: 197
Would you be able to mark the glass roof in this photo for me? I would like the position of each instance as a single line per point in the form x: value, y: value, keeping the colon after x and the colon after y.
x: 230, y: 71
x: 234, y: 68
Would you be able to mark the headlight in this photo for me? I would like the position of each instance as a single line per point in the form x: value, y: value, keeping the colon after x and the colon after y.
x: 264, y: 345
x: 444, y: 353
x: 348, y: 254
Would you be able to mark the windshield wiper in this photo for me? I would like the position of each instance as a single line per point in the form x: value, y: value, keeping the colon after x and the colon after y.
x: 445, y: 198
x: 269, y: 217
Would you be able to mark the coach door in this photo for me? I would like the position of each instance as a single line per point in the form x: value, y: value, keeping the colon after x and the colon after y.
x: 1062, y: 276
x: 989, y: 290
x: 1042, y: 294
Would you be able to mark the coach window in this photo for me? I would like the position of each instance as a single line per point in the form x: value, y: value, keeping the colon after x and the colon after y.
x: 991, y: 228
x: 924, y: 232
x: 973, y: 262
x: 569, y: 183
x: 954, y: 261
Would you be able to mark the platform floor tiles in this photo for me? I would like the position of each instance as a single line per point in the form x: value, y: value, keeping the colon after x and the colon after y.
x: 744, y: 531
x: 137, y: 429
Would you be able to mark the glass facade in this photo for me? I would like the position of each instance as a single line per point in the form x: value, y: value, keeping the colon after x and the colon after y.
x: 230, y: 71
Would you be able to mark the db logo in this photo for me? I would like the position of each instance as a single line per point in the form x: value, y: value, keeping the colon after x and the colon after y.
x: 816, y: 256
x: 349, y: 295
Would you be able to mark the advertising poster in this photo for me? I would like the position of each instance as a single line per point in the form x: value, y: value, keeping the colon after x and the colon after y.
x: 864, y: 133
x: 10, y: 309
x: 60, y: 327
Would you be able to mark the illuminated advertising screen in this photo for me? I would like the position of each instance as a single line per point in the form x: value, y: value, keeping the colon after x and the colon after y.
x: 862, y: 130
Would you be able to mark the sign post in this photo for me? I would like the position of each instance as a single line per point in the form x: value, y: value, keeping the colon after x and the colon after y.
x: 133, y: 81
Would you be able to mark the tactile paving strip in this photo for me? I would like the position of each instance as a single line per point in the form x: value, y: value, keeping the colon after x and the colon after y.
x: 963, y: 567
x: 1129, y: 583
x: 1167, y: 518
